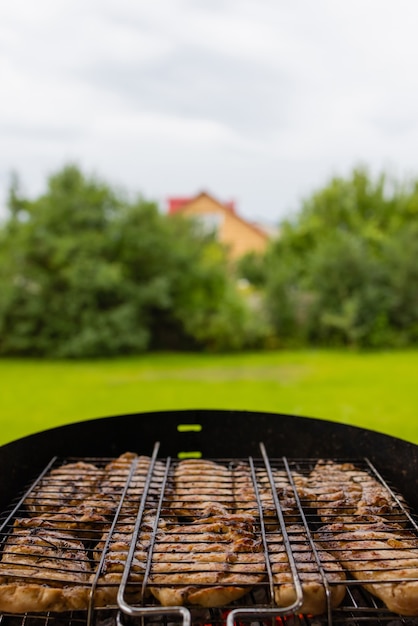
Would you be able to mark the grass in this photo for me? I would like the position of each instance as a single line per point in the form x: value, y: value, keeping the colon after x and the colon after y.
x: 377, y: 391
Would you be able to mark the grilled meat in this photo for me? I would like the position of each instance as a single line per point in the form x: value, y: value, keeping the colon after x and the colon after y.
x: 199, y: 484
x: 340, y: 491
x: 364, y: 531
x: 43, y: 569
x: 64, y: 487
x: 314, y: 582
x: 246, y: 497
x: 208, y: 543
x: 112, y: 556
x: 209, y: 562
x: 129, y: 471
x: 83, y: 487
x: 86, y: 526
x: 215, y: 558
x: 383, y: 557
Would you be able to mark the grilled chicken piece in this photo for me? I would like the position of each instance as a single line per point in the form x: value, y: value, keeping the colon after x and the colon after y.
x: 115, y: 559
x: 245, y: 495
x: 210, y: 562
x: 246, y: 499
x: 84, y: 487
x: 288, y: 494
x: 116, y: 475
x: 312, y: 582
x: 66, y: 486
x: 340, y: 491
x: 111, y: 553
x: 86, y: 526
x: 199, y: 484
x: 214, y: 559
x: 383, y: 557
x: 43, y: 569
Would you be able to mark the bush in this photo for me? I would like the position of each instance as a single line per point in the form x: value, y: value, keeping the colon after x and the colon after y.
x: 343, y: 271
x: 86, y: 272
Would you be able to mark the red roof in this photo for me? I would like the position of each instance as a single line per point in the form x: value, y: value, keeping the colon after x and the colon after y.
x: 175, y: 204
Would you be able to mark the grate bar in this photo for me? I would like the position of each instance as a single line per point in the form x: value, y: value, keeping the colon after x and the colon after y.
x: 21, y: 501
x: 108, y: 540
x: 311, y: 541
x: 121, y: 591
x: 398, y: 501
x: 127, y: 608
x: 273, y: 612
x: 263, y: 529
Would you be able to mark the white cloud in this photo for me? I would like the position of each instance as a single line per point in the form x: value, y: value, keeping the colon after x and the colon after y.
x: 252, y: 99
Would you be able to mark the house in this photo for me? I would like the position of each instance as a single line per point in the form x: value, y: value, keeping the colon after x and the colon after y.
x: 236, y: 233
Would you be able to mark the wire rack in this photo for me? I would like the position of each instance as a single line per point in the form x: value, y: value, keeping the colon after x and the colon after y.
x: 217, y: 541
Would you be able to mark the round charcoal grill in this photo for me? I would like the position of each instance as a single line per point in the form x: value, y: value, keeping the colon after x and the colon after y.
x: 242, y: 443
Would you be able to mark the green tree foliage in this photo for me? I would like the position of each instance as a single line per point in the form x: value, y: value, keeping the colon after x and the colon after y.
x: 84, y: 272
x: 399, y: 255
x: 251, y: 267
x: 347, y: 280
x: 343, y: 271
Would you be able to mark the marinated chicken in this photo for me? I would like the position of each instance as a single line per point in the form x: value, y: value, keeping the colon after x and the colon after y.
x: 110, y: 555
x: 43, y: 569
x: 126, y: 476
x: 314, y: 583
x: 69, y: 485
x: 200, y: 539
x: 340, y: 491
x: 86, y: 526
x: 365, y: 532
x: 380, y: 555
x: 209, y: 562
x: 199, y: 484
x: 216, y: 557
x: 246, y: 492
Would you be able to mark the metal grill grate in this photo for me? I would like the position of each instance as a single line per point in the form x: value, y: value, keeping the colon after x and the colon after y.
x: 220, y: 541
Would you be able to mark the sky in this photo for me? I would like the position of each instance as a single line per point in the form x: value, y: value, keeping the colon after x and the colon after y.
x: 257, y: 101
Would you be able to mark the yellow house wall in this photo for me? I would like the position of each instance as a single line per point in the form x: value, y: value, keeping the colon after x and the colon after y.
x: 239, y: 236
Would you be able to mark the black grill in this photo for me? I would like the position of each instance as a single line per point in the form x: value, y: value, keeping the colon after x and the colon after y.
x: 142, y: 499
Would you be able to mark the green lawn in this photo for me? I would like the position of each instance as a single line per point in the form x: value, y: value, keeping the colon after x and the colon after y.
x: 377, y: 391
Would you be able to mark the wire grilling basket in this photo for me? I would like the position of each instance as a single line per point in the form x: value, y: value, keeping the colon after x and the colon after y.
x: 109, y: 542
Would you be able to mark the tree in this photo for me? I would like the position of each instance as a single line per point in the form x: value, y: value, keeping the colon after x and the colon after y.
x: 342, y: 270
x: 351, y: 300
x: 399, y: 256
x: 252, y: 267
x: 86, y: 272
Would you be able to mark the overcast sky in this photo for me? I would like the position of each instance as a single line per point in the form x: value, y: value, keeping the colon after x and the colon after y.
x: 260, y: 101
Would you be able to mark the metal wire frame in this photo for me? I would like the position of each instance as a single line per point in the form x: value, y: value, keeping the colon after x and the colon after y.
x: 17, y: 506
x: 354, y: 612
x: 254, y: 612
x: 126, y: 607
x: 55, y: 488
x: 370, y: 609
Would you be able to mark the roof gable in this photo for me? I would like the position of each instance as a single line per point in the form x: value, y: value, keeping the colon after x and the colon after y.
x: 178, y: 204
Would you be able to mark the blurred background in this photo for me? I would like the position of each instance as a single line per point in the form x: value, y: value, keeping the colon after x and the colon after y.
x: 208, y: 205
